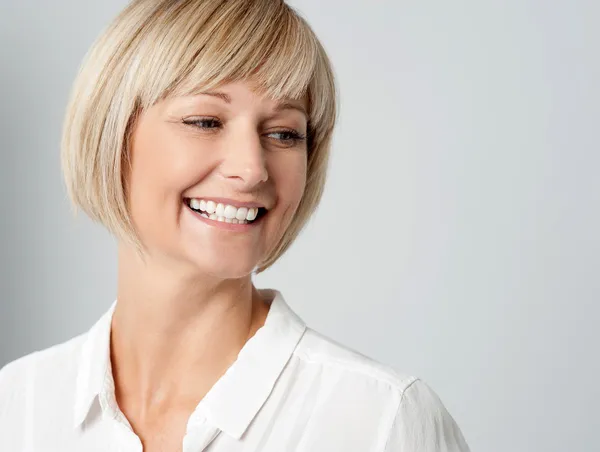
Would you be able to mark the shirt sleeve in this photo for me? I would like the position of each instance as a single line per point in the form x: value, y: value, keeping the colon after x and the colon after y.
x: 423, y: 424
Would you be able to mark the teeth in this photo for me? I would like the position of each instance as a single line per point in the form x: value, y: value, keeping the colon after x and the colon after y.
x: 252, y: 214
x: 241, y: 213
x: 230, y: 212
x: 211, y: 207
x: 224, y: 212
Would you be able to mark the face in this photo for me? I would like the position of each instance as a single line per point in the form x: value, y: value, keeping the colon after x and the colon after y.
x: 216, y: 178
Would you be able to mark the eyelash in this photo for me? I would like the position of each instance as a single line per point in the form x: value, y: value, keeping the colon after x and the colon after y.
x: 295, y: 137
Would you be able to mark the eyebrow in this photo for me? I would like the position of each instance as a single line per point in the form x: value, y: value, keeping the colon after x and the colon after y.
x: 282, y: 106
x: 291, y: 106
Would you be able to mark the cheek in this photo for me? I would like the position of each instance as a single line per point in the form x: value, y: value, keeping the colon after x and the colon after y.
x: 164, y: 164
x: 290, y: 182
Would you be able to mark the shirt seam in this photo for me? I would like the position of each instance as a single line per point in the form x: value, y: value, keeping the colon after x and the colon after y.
x: 397, y: 382
x: 396, y: 414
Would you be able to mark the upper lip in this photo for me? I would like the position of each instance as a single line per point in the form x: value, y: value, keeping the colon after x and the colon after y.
x: 231, y: 202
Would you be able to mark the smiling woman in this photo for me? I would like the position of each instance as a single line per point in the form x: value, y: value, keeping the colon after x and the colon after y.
x: 198, y: 133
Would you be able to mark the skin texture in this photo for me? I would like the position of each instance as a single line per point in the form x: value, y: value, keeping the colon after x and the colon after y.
x: 186, y: 309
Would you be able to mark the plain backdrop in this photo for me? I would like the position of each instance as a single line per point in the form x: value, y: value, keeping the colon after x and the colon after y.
x: 458, y: 236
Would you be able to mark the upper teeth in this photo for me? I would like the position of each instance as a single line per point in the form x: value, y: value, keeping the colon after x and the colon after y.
x: 224, y: 210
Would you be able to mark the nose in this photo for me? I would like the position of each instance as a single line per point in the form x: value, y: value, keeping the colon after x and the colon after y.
x: 244, y: 160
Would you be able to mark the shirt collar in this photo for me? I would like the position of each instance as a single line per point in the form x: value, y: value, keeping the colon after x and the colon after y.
x: 94, y: 366
x: 235, y: 399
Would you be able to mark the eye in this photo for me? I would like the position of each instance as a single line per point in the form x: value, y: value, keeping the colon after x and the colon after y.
x: 288, y: 137
x: 203, y: 123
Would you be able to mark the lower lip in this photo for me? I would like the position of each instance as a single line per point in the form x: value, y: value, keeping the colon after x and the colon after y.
x: 222, y: 225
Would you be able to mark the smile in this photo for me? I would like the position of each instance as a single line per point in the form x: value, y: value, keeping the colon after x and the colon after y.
x: 225, y: 213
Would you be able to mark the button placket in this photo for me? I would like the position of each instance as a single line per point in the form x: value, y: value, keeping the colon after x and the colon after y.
x: 199, y: 438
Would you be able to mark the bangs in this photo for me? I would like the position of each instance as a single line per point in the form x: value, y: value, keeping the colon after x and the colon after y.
x: 264, y: 42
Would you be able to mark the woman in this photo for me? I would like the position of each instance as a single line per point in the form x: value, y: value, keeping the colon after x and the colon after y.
x: 198, y: 133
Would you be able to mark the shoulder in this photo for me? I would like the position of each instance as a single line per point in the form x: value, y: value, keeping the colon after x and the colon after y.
x: 35, y: 388
x: 52, y: 367
x: 53, y: 358
x: 319, y: 349
x: 402, y: 405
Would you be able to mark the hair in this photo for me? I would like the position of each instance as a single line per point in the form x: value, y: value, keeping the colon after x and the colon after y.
x: 155, y: 49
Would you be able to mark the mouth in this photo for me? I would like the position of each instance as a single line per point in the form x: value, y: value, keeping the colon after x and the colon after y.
x: 225, y: 213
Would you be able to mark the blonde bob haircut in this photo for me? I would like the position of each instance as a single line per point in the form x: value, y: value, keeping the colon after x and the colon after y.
x: 156, y: 49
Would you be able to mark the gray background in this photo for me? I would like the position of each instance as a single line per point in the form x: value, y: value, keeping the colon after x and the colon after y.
x: 458, y: 237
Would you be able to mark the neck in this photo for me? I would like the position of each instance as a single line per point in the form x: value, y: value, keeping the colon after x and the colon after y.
x: 175, y: 333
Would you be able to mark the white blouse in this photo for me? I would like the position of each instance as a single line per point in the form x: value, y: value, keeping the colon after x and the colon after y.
x: 290, y: 389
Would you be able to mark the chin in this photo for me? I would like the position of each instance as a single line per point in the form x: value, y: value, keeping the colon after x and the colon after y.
x: 225, y: 267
